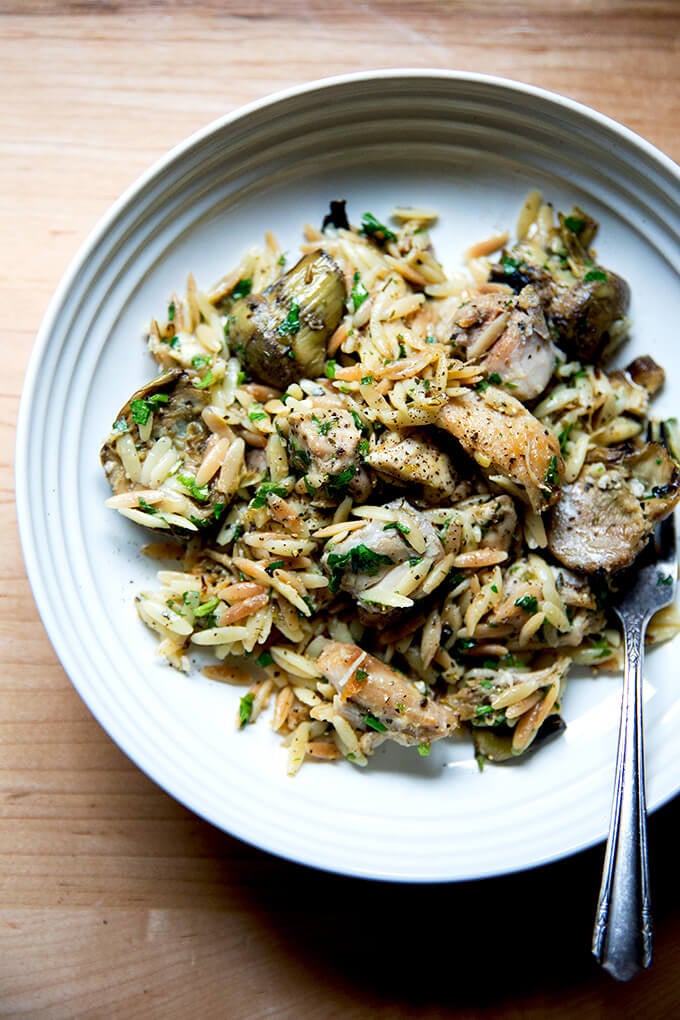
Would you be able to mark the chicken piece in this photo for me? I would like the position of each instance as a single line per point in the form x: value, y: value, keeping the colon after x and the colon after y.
x: 381, y: 701
x: 493, y: 519
x: 605, y: 517
x: 363, y: 559
x: 324, y: 444
x: 169, y: 409
x: 510, y: 337
x: 412, y: 458
x: 506, y: 439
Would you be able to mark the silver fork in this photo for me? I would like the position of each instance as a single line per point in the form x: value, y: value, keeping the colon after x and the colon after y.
x: 623, y: 932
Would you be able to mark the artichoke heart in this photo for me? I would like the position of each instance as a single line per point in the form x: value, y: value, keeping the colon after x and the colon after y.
x: 283, y: 331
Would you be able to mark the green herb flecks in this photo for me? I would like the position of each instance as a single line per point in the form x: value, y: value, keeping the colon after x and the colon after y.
x: 336, y: 484
x: 291, y: 323
x: 242, y: 289
x: 563, y: 437
x: 245, y: 709
x: 199, y: 492
x: 374, y: 724
x: 143, y: 407
x: 372, y: 227
x: 265, y: 489
x: 358, y: 293
x: 594, y: 275
x: 397, y: 526
x: 552, y: 477
x: 322, y: 427
x: 529, y: 603
x: 207, y: 380
x: 359, y: 560
x: 206, y: 608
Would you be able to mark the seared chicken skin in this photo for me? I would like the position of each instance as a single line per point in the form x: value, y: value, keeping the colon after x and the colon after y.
x: 382, y: 701
x: 511, y: 339
x: 504, y: 438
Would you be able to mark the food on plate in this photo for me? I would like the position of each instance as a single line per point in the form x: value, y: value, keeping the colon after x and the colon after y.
x: 394, y: 499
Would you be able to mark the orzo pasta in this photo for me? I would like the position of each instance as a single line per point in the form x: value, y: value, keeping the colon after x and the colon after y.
x: 399, y: 496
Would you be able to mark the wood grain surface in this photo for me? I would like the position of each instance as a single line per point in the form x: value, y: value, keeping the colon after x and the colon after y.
x: 115, y: 901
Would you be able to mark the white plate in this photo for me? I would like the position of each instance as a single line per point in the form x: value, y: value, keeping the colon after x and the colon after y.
x: 472, y: 147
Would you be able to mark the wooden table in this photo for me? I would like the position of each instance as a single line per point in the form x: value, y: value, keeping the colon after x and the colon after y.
x: 115, y: 901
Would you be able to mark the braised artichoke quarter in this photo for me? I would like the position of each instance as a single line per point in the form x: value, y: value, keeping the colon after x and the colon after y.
x: 282, y: 333
x: 153, y: 454
x: 605, y: 517
x: 584, y: 303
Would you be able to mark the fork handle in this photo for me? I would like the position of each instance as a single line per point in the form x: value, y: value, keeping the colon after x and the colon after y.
x: 622, y: 935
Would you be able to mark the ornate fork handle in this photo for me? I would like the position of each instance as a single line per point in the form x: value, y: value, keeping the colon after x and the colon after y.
x: 622, y: 936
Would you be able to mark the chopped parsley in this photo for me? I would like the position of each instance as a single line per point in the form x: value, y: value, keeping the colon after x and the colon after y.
x: 245, y: 709
x: 509, y: 264
x: 199, y: 492
x: 664, y: 579
x: 529, y: 603
x: 358, y: 560
x: 207, y: 379
x: 322, y: 427
x: 260, y: 498
x: 266, y: 659
x: 424, y: 750
x: 397, y: 526
x: 171, y: 312
x: 242, y: 288
x: 291, y: 323
x: 564, y: 436
x: 359, y: 292
x: 257, y: 415
x: 274, y: 565
x: 371, y: 227
x: 143, y: 407
x: 329, y: 369
x: 206, y: 607
x: 336, y: 484
x: 603, y: 647
x: 361, y: 675
x: 594, y: 275
x: 366, y: 380
x: 201, y: 360
x: 552, y: 476
x: 374, y: 723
